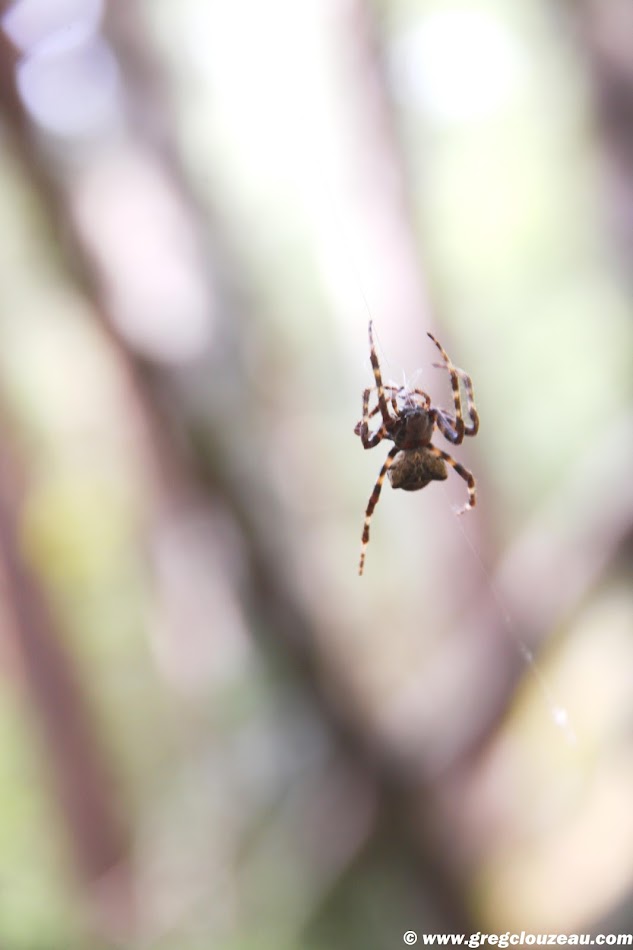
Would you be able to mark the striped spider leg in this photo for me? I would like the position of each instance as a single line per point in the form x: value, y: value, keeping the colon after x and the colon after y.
x: 452, y: 427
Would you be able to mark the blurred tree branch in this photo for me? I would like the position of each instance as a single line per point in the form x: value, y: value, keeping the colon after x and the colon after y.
x: 198, y: 464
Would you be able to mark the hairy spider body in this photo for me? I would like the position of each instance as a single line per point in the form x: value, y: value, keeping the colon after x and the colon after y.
x: 409, y: 421
x: 413, y: 469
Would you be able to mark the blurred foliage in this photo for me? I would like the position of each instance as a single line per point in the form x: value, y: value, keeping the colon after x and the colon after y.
x: 212, y: 732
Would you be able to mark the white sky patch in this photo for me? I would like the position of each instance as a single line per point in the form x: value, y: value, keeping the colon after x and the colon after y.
x: 30, y: 23
x: 147, y: 255
x: 71, y: 91
x: 458, y: 65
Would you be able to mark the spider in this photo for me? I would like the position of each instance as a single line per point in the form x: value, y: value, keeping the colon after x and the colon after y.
x: 409, y: 420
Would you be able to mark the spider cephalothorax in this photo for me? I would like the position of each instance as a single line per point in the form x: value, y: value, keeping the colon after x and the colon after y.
x: 409, y: 420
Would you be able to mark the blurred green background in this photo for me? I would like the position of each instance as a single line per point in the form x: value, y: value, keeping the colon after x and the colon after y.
x: 213, y: 733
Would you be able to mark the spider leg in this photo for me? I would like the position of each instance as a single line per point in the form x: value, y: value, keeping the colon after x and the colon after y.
x: 420, y: 392
x: 451, y: 427
x: 374, y: 411
x: 473, y: 427
x: 375, y: 365
x: 371, y: 504
x: 393, y: 392
x: 416, y: 392
x: 362, y: 428
x: 463, y: 472
x: 454, y: 428
x: 448, y: 425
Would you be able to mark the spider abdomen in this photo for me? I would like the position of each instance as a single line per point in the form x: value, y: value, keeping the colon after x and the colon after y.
x: 413, y: 469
